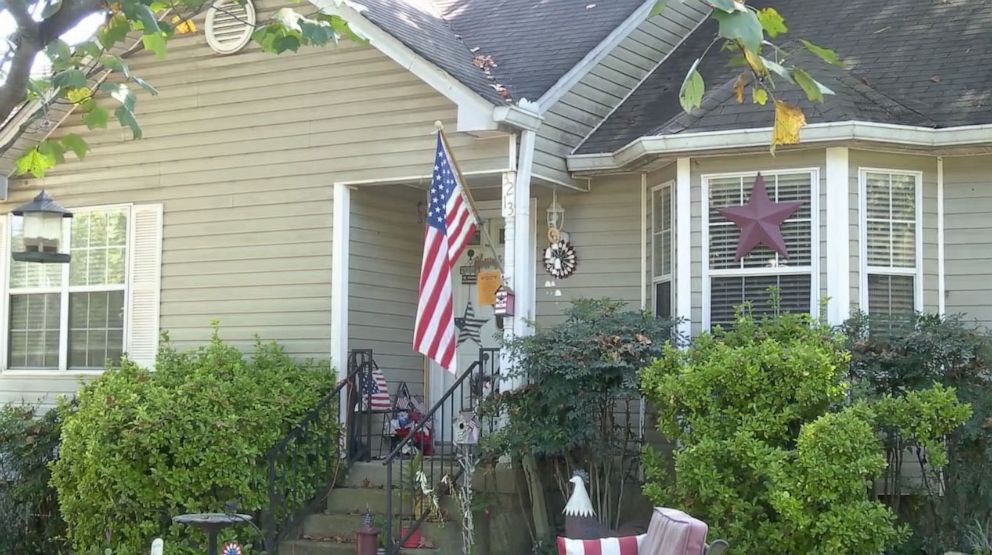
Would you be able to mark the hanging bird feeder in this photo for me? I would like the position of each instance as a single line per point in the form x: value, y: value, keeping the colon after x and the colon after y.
x: 44, y: 234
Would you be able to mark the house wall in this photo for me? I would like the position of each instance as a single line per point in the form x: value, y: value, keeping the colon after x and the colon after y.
x: 604, y: 226
x: 578, y: 112
x: 243, y: 151
x: 384, y: 273
x: 968, y: 236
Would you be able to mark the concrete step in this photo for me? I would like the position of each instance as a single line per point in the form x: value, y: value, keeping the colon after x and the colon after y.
x: 312, y: 547
x: 373, y: 474
x: 355, y: 501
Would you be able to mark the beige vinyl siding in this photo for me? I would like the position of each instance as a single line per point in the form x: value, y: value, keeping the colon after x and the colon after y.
x: 800, y: 160
x: 386, y: 247
x: 968, y: 236
x: 578, y: 112
x: 243, y: 152
x: 605, y: 228
x: 899, y: 162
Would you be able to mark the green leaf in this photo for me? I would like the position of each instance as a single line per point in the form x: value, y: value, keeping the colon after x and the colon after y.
x: 772, y: 22
x: 777, y: 68
x: 53, y: 150
x: 96, y: 117
x: 317, y: 33
x: 760, y: 96
x: 658, y: 7
x: 693, y: 87
x: 814, y: 89
x: 115, y: 63
x: 156, y: 43
x: 114, y: 31
x: 149, y: 88
x: 146, y: 16
x: 34, y: 162
x: 286, y: 42
x: 125, y: 115
x: 58, y: 51
x: 825, y: 54
x: 742, y: 26
x: 70, y: 79
x: 51, y: 8
x: 728, y: 6
x: 76, y: 144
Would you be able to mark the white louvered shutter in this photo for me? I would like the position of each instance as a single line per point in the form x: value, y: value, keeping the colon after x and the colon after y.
x: 229, y: 25
x: 4, y: 270
x: 144, y: 279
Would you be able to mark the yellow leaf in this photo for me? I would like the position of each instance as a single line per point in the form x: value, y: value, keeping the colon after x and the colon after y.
x: 78, y: 95
x: 754, y: 62
x: 789, y: 120
x: 184, y: 26
x: 739, y: 88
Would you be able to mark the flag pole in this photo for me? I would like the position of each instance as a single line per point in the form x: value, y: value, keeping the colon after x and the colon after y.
x: 468, y: 193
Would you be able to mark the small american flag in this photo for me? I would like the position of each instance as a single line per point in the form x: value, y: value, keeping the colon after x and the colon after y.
x: 374, y: 385
x: 450, y: 226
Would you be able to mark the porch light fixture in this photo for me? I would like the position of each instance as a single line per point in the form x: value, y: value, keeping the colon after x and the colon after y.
x: 556, y: 214
x: 43, y: 232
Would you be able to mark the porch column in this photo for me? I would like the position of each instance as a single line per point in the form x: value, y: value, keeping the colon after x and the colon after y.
x: 683, y: 246
x: 519, y: 263
x: 838, y: 235
x: 340, y: 239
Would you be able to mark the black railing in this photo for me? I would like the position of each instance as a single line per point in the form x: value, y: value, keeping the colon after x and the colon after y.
x: 411, y: 504
x: 304, y: 464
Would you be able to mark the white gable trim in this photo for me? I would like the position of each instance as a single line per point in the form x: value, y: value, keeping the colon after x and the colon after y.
x: 474, y: 112
x: 905, y: 135
x: 594, y: 56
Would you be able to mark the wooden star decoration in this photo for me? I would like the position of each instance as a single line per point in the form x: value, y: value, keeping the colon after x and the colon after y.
x: 760, y: 221
x: 469, y: 326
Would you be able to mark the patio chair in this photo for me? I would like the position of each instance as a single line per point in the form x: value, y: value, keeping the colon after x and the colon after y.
x: 672, y: 532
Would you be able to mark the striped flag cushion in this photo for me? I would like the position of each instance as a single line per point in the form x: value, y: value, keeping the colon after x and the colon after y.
x: 627, y: 545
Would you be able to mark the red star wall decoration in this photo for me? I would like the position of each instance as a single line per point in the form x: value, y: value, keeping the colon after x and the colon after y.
x: 759, y: 221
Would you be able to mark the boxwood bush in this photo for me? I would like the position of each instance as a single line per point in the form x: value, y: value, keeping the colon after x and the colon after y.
x: 143, y: 446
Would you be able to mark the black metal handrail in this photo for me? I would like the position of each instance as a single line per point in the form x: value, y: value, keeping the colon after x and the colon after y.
x: 313, y: 447
x: 465, y: 393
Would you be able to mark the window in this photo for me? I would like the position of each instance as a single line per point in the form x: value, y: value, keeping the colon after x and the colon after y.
x: 730, y: 283
x: 71, y: 315
x: 662, y: 241
x: 890, y: 215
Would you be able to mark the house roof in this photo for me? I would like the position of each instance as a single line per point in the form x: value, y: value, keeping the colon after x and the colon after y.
x: 907, y: 62
x: 532, y: 43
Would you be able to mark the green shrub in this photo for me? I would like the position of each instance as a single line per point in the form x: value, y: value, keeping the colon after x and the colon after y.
x: 30, y: 522
x: 765, y: 453
x: 579, y: 407
x: 926, y: 362
x: 145, y: 446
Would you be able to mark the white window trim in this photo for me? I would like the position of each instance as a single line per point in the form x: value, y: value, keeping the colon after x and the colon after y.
x: 813, y: 269
x: 670, y: 276
x: 63, y: 369
x: 866, y: 269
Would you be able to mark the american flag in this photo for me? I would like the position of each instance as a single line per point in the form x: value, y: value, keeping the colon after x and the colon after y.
x: 374, y: 385
x: 450, y: 226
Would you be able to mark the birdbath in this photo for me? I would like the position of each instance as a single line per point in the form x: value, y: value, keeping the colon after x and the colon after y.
x: 211, y: 523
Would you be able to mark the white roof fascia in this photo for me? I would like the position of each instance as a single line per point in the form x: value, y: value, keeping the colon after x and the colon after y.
x: 815, y: 133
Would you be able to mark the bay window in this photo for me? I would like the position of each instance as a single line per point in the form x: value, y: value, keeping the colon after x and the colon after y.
x: 729, y: 283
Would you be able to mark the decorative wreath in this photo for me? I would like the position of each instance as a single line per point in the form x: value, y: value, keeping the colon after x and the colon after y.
x: 559, y: 259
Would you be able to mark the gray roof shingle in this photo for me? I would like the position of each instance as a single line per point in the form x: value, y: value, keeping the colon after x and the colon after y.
x: 909, y: 62
x: 532, y: 42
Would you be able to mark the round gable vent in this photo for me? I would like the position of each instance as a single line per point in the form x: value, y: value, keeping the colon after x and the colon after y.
x: 229, y: 25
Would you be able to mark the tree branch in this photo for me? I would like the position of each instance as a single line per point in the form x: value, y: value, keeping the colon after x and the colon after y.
x: 71, y: 13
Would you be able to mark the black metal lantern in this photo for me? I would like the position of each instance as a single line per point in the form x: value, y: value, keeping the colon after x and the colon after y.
x: 43, y: 232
